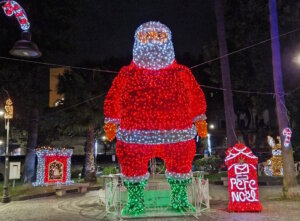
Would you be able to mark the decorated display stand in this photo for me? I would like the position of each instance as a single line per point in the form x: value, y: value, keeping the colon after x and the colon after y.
x: 242, y: 179
x: 156, y: 197
x: 54, y: 166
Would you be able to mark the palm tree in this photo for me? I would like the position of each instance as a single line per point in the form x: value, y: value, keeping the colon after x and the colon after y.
x: 86, y: 90
x: 290, y: 189
x: 227, y: 94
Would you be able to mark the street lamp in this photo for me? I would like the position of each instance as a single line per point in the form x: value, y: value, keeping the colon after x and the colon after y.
x: 8, y: 114
x: 297, y: 59
x: 25, y: 48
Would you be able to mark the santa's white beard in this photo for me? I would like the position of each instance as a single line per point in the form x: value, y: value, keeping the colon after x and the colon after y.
x: 153, y: 56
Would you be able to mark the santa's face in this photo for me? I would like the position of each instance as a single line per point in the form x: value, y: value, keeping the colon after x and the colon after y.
x: 153, y: 48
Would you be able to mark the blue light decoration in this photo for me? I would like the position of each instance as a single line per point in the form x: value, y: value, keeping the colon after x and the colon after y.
x: 11, y: 8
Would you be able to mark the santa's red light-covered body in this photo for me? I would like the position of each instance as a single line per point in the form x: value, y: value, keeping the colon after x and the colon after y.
x: 155, y: 108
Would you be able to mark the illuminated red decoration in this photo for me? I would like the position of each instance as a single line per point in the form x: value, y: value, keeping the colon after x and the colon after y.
x: 155, y: 110
x: 55, y: 169
x: 13, y: 8
x: 287, y: 133
x: 134, y: 158
x: 242, y: 179
x: 54, y: 166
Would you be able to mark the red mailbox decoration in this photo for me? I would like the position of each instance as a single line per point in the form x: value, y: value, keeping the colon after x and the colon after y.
x: 242, y: 179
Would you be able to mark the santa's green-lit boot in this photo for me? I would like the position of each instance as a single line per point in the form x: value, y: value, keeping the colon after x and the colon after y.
x: 135, y: 202
x: 179, y: 198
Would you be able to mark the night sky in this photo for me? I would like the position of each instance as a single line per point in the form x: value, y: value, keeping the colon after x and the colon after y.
x: 103, y: 29
x: 106, y: 28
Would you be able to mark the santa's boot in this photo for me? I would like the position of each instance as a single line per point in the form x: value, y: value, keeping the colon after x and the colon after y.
x: 135, y: 202
x: 179, y: 198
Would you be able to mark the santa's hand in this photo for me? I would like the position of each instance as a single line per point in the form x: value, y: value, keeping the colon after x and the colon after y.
x: 110, y: 131
x: 201, y: 127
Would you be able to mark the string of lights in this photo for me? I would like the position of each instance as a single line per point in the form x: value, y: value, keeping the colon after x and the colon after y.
x: 58, y: 65
x: 115, y: 72
x: 245, y: 48
x: 204, y: 86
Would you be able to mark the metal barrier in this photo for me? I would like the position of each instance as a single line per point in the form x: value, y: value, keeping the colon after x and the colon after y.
x: 157, y: 197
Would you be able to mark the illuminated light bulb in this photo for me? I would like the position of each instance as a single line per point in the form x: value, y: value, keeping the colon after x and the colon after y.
x: 297, y: 59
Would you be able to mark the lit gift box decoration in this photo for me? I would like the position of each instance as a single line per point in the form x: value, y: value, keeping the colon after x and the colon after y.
x: 242, y: 179
x: 54, y: 166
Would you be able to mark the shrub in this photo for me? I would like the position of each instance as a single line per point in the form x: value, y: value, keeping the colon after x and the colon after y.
x: 75, y: 173
x: 109, y: 170
x: 211, y: 163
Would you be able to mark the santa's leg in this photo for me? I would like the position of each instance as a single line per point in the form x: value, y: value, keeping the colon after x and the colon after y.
x: 179, y: 158
x: 133, y: 159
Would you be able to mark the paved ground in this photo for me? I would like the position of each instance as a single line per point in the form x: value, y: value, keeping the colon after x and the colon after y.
x: 73, y: 207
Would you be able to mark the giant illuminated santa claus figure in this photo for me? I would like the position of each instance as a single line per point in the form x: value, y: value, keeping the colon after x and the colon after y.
x: 155, y: 108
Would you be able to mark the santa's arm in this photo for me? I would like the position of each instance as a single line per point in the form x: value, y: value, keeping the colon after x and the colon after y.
x: 112, y: 106
x: 197, y: 104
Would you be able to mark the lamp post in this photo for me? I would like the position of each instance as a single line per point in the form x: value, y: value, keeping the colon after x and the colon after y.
x: 24, y: 48
x: 8, y: 114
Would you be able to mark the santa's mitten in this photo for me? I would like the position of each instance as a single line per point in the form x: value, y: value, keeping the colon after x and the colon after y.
x: 201, y: 126
x: 110, y: 131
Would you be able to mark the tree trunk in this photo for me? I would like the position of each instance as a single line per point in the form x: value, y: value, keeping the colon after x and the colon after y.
x: 90, y: 172
x: 34, y: 117
x: 228, y: 102
x: 290, y: 189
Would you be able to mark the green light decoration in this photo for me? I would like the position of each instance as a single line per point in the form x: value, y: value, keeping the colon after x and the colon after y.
x: 179, y: 198
x: 136, y: 202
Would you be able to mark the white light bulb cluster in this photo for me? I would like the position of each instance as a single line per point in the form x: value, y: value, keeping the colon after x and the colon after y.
x: 135, y: 179
x: 111, y: 120
x: 155, y: 53
x: 156, y: 136
x: 179, y: 176
x: 269, y: 171
x: 41, y: 155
